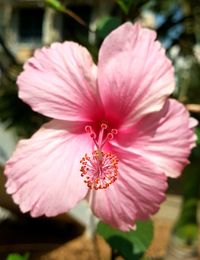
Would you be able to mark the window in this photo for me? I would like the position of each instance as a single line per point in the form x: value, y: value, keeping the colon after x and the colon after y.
x: 30, y: 22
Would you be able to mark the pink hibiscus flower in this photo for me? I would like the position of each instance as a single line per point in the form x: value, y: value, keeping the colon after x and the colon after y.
x: 115, y: 136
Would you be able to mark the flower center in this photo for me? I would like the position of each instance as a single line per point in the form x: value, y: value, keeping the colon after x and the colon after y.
x: 101, y: 168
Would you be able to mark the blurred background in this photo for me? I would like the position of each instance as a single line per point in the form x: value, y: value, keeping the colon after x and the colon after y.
x: 26, y: 25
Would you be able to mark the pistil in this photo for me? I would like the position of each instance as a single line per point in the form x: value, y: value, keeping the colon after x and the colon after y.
x: 100, y: 169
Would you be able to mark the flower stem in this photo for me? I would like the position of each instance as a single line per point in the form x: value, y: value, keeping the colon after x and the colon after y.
x: 94, y: 237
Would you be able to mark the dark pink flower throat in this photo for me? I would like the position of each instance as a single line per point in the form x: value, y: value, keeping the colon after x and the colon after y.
x: 101, y: 168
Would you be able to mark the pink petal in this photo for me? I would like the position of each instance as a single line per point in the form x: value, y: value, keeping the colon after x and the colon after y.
x: 136, y: 194
x: 134, y: 74
x: 43, y: 175
x: 166, y: 138
x: 60, y: 82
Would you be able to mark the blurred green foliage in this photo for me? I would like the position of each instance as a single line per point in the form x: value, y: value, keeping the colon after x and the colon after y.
x: 16, y: 114
x: 198, y: 135
x: 106, y: 25
x: 15, y: 256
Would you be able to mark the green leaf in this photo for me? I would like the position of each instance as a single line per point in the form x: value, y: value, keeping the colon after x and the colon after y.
x: 15, y: 256
x: 198, y: 134
x: 106, y: 24
x: 57, y: 5
x: 132, y: 244
x: 125, y: 5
